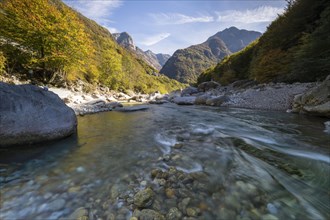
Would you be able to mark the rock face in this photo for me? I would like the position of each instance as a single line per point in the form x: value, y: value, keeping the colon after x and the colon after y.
x: 187, y: 64
x: 154, y: 60
x: 315, y: 101
x: 29, y: 114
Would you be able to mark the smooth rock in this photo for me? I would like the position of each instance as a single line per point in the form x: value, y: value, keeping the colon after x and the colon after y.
x: 217, y: 101
x: 144, y: 198
x: 30, y: 114
x: 56, y: 204
x: 188, y: 100
x: 133, y: 109
x: 315, y: 101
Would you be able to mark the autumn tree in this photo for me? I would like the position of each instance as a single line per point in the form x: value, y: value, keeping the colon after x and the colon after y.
x: 47, y: 29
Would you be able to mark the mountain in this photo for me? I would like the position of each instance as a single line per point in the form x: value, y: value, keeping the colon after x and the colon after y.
x: 187, y: 64
x: 295, y: 48
x: 154, y: 60
x: 63, y: 45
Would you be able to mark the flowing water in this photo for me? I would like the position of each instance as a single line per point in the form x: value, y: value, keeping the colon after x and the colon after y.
x: 243, y: 164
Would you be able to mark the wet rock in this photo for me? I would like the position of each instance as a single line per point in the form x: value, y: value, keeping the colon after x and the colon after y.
x: 193, y: 212
x: 269, y: 217
x: 133, y: 109
x: 148, y: 214
x: 114, y: 105
x: 174, y: 214
x: 170, y: 193
x: 206, y: 86
x: 30, y: 114
x: 189, y: 100
x: 79, y: 214
x: 56, y: 204
x: 158, y: 102
x: 315, y: 101
x: 144, y: 198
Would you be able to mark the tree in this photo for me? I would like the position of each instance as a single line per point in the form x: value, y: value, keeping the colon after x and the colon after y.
x: 2, y: 62
x: 47, y: 29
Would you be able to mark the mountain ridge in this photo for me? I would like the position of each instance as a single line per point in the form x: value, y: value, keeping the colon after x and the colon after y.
x: 186, y: 64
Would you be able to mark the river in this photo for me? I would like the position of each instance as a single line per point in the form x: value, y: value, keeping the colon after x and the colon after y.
x: 223, y: 164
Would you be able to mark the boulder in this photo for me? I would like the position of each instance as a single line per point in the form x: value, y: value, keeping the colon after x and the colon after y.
x: 206, y: 86
x: 316, y: 101
x: 189, y: 91
x: 29, y: 114
x: 132, y: 109
x: 187, y: 100
x: 201, y: 100
x: 217, y: 101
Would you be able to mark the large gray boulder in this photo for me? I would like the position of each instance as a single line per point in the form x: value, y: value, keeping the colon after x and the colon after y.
x: 29, y: 114
x: 315, y: 101
x: 187, y: 100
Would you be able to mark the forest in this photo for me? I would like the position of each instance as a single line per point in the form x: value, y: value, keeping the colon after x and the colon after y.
x: 53, y: 41
x: 295, y: 48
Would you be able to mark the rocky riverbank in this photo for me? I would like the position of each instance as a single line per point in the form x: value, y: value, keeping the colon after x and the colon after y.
x: 310, y: 98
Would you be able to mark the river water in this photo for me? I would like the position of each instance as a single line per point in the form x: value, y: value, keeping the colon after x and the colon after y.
x: 243, y: 164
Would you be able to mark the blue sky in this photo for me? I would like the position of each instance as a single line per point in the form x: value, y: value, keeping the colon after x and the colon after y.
x: 164, y: 26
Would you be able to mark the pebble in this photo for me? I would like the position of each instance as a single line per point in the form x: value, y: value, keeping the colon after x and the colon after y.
x: 144, y: 198
x: 269, y: 217
x: 56, y: 204
x: 174, y: 214
x: 80, y: 169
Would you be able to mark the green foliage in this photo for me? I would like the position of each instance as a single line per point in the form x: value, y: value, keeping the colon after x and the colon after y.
x: 295, y: 47
x: 2, y: 62
x: 52, y: 39
x: 49, y: 31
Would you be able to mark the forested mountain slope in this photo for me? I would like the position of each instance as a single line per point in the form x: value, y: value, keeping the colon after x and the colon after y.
x: 51, y: 40
x: 295, y: 48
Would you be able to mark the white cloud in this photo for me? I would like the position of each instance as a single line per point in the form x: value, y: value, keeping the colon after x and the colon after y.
x: 112, y: 30
x: 154, y: 39
x: 177, y: 18
x: 257, y: 15
x: 97, y: 10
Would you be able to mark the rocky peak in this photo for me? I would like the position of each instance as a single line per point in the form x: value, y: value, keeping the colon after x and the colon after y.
x: 154, y: 60
x: 125, y: 40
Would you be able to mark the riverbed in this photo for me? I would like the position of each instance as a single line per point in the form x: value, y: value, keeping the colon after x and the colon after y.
x: 202, y: 162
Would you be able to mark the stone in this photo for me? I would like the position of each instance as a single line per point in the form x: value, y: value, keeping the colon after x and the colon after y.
x: 193, y: 212
x: 170, y: 193
x: 56, y: 204
x: 158, y: 102
x: 79, y: 214
x: 315, y: 101
x: 217, y: 101
x: 174, y: 214
x: 188, y: 100
x: 144, y: 198
x: 148, y: 214
x: 114, y: 105
x: 133, y: 109
x: 189, y: 91
x: 206, y: 86
x: 29, y: 114
x: 201, y: 100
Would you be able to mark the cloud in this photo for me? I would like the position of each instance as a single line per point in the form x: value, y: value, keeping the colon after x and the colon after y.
x: 177, y: 18
x: 112, y: 29
x: 154, y: 39
x: 257, y: 15
x: 98, y: 10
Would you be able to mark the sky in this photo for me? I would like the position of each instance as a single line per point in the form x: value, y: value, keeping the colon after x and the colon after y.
x: 164, y: 26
